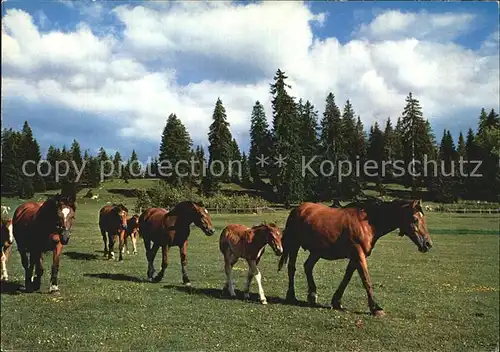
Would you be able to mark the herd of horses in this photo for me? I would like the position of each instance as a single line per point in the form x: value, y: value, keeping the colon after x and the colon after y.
x: 335, y: 232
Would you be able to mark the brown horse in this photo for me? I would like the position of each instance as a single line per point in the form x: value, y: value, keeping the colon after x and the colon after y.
x: 238, y: 241
x: 165, y: 229
x: 113, y: 224
x: 132, y: 232
x: 349, y: 232
x: 42, y: 227
x: 6, y: 240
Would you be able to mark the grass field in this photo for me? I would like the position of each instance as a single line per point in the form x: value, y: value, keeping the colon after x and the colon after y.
x: 447, y: 299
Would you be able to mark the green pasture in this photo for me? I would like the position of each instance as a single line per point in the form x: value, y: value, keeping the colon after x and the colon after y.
x: 445, y: 300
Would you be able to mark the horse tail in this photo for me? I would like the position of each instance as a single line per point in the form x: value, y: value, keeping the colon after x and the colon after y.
x: 287, y: 240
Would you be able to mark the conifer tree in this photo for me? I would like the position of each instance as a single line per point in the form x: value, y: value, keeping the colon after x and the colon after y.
x: 309, y: 145
x: 260, y: 142
x: 135, y: 166
x: 220, y: 147
x: 235, y: 160
x: 375, y: 150
x: 175, y: 146
x: 117, y: 164
x: 245, y: 171
x: 286, y: 176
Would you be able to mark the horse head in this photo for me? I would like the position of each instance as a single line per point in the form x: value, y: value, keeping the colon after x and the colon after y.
x: 413, y: 224
x: 133, y: 224
x: 274, y: 237
x: 61, y: 208
x: 202, y: 219
x: 121, y: 212
x: 7, y: 233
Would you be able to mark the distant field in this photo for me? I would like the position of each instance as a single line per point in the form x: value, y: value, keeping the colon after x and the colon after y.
x: 444, y: 300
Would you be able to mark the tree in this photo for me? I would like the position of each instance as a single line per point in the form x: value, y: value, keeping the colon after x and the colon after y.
x: 331, y: 146
x: 76, y: 153
x: 245, y: 171
x: 461, y: 150
x: 221, y: 145
x: 260, y: 142
x: 134, y: 166
x: 11, y: 171
x: 30, y: 151
x: 103, y: 160
x: 375, y: 150
x: 285, y: 176
x: 175, y: 147
x: 117, y: 165
x: 235, y: 160
x: 309, y: 144
x: 488, y: 143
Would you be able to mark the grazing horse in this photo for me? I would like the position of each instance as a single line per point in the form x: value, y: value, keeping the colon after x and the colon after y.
x: 132, y: 232
x: 113, y: 221
x: 6, y: 239
x: 165, y: 229
x: 348, y: 232
x: 238, y: 241
x: 41, y: 227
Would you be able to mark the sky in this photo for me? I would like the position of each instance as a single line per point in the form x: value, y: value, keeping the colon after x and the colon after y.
x: 108, y: 73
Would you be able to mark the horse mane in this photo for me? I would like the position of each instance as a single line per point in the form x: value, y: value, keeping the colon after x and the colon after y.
x: 181, y: 205
x: 120, y: 207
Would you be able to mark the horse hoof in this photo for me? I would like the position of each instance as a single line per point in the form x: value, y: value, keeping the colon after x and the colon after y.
x: 312, y: 299
x: 337, y: 306
x: 379, y: 313
x: 156, y: 279
x: 246, y: 296
x: 135, y: 252
x: 187, y: 284
x: 54, y: 289
x: 263, y: 301
x: 292, y: 299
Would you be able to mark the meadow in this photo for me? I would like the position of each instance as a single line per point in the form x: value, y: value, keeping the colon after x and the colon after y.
x: 446, y: 299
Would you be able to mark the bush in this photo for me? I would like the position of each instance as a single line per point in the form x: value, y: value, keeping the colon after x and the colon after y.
x: 166, y: 196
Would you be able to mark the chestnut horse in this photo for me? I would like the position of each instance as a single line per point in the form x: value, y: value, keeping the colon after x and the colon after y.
x: 348, y: 232
x: 165, y: 229
x: 41, y: 227
x: 238, y: 241
x: 6, y: 240
x: 113, y: 221
x: 132, y: 232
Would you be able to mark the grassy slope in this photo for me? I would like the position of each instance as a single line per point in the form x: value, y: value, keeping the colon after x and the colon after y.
x: 443, y: 300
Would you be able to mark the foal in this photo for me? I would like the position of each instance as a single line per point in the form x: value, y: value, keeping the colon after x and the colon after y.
x: 6, y: 239
x: 238, y: 241
x: 132, y: 232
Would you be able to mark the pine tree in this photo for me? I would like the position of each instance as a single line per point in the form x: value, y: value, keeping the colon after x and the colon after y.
x: 200, y: 163
x: 461, y: 146
x: 245, y: 171
x: 375, y: 150
x: 134, y: 166
x: 11, y: 171
x: 103, y: 159
x: 76, y: 153
x: 53, y: 155
x: 309, y: 145
x: 220, y: 147
x: 235, y: 160
x: 331, y: 146
x: 260, y: 142
x: 287, y: 177
x: 349, y: 132
x: 30, y: 151
x: 175, y: 147
x: 117, y: 165
x: 488, y: 143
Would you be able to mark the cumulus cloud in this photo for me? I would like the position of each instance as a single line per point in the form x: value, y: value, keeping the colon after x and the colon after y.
x: 393, y: 25
x: 134, y: 78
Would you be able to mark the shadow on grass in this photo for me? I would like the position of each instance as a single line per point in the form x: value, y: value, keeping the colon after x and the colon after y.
x: 254, y: 297
x: 10, y: 288
x: 115, y: 277
x: 81, y: 256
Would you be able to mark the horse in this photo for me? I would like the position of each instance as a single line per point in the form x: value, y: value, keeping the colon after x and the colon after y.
x: 132, y: 232
x: 40, y: 227
x: 113, y: 223
x: 349, y: 232
x: 6, y: 239
x: 162, y: 228
x: 238, y: 241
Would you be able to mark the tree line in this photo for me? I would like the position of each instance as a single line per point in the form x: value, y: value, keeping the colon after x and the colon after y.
x: 297, y: 134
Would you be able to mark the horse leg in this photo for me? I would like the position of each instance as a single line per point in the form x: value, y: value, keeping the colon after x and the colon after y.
x: 55, y: 268
x: 121, y: 244
x: 255, y: 272
x: 27, y: 274
x: 105, y: 240
x: 125, y: 245
x: 29, y: 278
x: 111, y: 248
x: 38, y: 272
x: 312, y: 296
x: 5, y: 276
x: 292, y: 260
x: 164, y: 264
x: 337, y: 296
x: 183, y: 255
x: 367, y: 283
x: 134, y: 243
x: 229, y: 262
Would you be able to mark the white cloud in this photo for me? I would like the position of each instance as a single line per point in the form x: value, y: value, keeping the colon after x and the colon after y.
x: 392, y: 25
x: 113, y: 77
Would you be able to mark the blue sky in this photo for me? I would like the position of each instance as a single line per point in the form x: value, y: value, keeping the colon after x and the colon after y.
x: 109, y: 73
